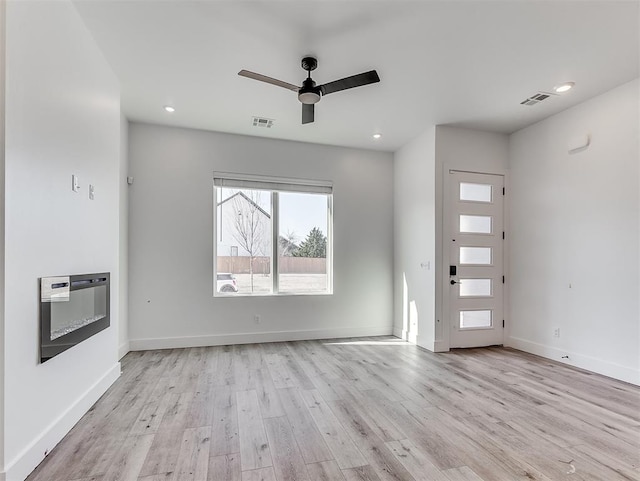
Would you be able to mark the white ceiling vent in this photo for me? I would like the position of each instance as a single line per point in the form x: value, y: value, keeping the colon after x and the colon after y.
x: 262, y: 122
x: 537, y: 98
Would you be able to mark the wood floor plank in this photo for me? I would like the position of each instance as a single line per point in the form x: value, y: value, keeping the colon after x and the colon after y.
x: 200, y: 412
x: 439, y: 451
x: 193, y: 459
x: 463, y: 473
x: 128, y: 462
x: 491, y: 414
x: 224, y: 468
x: 254, y: 446
x: 270, y: 405
x: 416, y: 463
x: 325, y: 471
x: 287, y: 460
x: 224, y: 427
x: 264, y: 474
x: 372, y: 447
x: 163, y: 454
x: 340, y: 444
x: 362, y: 473
x: 310, y: 441
x: 151, y: 415
x: 157, y: 477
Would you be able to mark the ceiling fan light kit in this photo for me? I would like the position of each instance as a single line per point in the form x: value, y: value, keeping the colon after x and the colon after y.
x: 310, y: 93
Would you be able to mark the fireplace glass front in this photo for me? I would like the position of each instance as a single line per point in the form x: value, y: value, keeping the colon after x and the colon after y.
x: 72, y: 308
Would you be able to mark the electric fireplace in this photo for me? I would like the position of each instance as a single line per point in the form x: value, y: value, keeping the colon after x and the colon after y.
x: 72, y: 309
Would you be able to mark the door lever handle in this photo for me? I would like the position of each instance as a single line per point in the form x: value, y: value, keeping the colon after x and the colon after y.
x: 452, y: 282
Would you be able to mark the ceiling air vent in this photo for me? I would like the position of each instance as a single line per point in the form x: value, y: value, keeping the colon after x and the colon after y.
x: 536, y: 99
x: 262, y: 122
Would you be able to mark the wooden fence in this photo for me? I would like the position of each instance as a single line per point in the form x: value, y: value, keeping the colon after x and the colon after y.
x: 262, y: 265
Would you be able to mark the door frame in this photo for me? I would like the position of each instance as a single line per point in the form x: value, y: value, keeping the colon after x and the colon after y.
x: 443, y: 245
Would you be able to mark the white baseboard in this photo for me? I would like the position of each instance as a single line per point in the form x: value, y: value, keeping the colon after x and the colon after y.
x: 401, y: 333
x: 428, y: 344
x: 20, y: 467
x: 122, y: 351
x: 440, y: 346
x: 256, y: 337
x: 589, y: 363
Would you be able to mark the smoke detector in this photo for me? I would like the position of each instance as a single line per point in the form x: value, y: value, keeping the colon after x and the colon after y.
x: 262, y: 122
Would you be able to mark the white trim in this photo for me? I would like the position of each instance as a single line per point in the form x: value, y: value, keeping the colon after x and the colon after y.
x: 257, y: 337
x: 443, y: 302
x: 25, y: 462
x: 400, y: 333
x: 429, y: 345
x: 123, y: 349
x: 593, y: 364
x: 440, y: 346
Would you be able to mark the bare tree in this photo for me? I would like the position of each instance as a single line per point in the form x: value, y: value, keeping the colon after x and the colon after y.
x: 250, y: 225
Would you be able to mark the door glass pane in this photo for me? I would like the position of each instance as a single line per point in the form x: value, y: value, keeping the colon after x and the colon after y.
x: 302, y: 242
x: 475, y: 255
x: 244, y: 242
x: 475, y: 224
x: 475, y: 192
x: 471, y: 319
x: 475, y: 287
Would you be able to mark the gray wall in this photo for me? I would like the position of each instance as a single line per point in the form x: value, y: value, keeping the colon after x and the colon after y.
x: 170, y: 250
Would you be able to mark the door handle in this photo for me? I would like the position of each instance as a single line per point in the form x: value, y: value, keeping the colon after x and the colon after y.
x: 452, y: 282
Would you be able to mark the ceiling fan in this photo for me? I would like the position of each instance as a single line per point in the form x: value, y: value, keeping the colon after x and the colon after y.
x: 310, y: 93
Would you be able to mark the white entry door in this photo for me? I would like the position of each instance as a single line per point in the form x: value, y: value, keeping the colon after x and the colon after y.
x: 475, y: 283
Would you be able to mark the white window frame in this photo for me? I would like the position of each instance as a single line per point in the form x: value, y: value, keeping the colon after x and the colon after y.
x: 274, y: 185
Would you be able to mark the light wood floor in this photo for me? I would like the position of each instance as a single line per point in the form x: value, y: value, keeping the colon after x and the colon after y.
x: 357, y: 409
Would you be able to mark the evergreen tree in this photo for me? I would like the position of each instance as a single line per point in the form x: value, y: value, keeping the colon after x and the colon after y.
x: 315, y: 245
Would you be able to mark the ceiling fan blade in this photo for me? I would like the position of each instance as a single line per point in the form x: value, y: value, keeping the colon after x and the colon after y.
x: 350, y: 82
x: 269, y: 80
x: 307, y: 113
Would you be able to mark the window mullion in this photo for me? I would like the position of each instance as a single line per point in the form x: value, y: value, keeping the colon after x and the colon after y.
x: 329, y: 252
x: 274, y: 242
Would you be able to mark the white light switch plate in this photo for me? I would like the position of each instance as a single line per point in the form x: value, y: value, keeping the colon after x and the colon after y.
x: 91, y: 192
x: 75, y: 183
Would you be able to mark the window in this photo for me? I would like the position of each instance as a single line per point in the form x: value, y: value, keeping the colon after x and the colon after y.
x: 273, y: 236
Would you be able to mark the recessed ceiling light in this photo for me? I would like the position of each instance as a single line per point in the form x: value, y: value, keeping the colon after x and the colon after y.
x: 377, y: 136
x: 169, y: 108
x: 563, y: 87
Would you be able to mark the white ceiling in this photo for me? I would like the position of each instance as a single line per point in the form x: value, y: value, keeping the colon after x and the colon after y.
x: 440, y: 62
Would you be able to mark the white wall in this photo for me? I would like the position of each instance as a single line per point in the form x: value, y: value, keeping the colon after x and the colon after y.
x: 62, y: 117
x: 575, y: 236
x: 123, y: 193
x: 414, y: 240
x: 170, y: 250
x: 420, y: 169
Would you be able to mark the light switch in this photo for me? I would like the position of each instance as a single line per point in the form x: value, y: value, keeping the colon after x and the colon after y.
x: 91, y: 191
x: 75, y: 183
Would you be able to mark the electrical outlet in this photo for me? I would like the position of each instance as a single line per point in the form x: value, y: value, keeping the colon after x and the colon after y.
x: 556, y: 332
x: 256, y: 318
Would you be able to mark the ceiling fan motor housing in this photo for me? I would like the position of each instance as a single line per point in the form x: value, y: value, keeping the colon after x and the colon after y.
x: 309, y: 93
